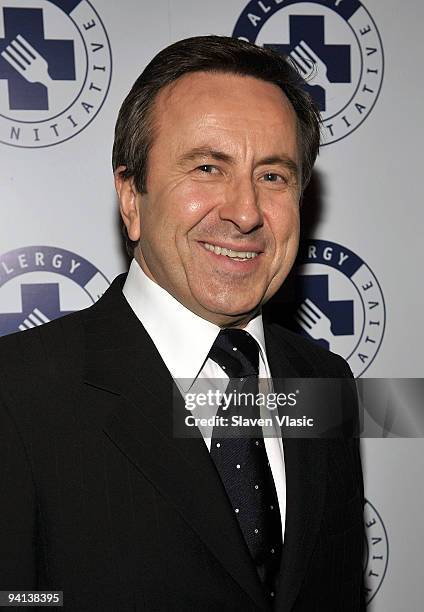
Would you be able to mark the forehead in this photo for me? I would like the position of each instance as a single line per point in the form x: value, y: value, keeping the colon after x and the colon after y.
x: 224, y: 104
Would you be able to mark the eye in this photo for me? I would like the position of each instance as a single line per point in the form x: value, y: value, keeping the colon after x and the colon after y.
x: 207, y: 169
x: 272, y: 177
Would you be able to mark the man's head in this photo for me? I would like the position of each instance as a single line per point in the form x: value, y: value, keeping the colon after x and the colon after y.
x: 213, y: 146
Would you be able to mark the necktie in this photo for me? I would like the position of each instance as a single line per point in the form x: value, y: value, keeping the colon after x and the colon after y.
x: 242, y: 462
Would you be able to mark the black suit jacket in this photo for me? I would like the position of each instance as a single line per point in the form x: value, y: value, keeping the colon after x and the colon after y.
x: 100, y: 500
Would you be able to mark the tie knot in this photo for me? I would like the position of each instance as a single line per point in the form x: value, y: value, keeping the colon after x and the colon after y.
x: 237, y: 352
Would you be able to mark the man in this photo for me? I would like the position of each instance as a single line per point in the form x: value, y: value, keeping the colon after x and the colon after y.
x: 101, y: 499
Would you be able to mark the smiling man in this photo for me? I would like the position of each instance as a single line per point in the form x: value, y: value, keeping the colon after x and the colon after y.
x: 213, y: 148
x: 218, y: 224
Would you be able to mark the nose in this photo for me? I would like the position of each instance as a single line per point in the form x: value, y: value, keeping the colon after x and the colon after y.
x: 241, y: 205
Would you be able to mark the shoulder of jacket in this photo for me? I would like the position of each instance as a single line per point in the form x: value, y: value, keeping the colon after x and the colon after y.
x: 320, y: 359
x: 49, y: 352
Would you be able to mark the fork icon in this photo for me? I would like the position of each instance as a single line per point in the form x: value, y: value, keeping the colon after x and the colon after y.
x: 306, y: 59
x: 34, y: 319
x: 313, y: 321
x: 27, y: 61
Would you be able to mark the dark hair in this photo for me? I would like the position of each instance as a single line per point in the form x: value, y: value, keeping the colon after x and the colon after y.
x: 134, y: 131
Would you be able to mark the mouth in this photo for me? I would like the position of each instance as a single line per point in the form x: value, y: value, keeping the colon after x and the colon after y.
x: 245, y: 255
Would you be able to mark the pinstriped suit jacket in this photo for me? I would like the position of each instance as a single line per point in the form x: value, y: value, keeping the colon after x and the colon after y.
x: 100, y: 500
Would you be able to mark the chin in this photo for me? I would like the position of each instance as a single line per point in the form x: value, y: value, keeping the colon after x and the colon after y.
x: 229, y: 310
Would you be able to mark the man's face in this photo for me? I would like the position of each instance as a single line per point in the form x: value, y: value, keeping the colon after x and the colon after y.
x: 223, y: 173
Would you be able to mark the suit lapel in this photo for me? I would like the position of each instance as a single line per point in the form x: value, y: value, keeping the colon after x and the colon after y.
x: 137, y: 412
x: 305, y: 466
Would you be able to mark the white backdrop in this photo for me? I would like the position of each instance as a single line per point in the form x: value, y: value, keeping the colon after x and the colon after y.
x: 56, y: 194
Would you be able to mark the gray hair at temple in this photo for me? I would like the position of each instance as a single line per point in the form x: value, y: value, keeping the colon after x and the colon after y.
x: 134, y: 131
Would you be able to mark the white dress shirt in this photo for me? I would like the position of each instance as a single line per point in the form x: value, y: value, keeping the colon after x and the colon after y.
x: 183, y: 340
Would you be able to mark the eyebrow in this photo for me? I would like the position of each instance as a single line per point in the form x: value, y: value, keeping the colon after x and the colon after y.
x: 273, y: 160
x: 281, y: 160
x: 197, y: 152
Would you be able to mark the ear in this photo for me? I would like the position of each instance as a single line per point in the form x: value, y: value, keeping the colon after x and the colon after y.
x: 129, y: 200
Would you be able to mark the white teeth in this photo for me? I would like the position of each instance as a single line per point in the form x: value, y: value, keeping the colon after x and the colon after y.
x: 230, y: 253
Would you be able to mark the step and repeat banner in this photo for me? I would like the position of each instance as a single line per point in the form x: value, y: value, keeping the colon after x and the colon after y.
x: 360, y: 259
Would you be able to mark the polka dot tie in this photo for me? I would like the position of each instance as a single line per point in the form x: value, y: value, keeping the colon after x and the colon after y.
x: 242, y: 461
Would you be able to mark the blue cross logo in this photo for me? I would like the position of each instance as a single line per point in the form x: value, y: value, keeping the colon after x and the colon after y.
x: 59, y: 54
x: 339, y: 312
x: 40, y: 304
x: 310, y: 28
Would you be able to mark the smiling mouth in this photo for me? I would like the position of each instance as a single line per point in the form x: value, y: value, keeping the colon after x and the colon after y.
x: 236, y: 255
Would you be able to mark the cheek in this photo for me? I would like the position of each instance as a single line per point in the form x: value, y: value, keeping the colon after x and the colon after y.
x: 284, y: 222
x: 194, y: 200
x: 190, y: 212
x: 173, y: 212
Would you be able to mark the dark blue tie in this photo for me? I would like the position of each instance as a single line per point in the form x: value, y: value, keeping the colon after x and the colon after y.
x: 242, y: 462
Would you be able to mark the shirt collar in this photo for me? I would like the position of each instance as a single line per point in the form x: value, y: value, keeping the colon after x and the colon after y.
x: 182, y: 338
